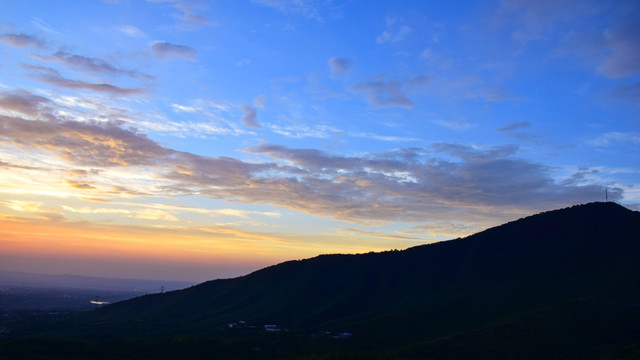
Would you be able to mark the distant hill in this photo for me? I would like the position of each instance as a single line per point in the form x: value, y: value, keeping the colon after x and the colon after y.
x: 562, y: 284
x: 21, y: 291
x: 22, y: 279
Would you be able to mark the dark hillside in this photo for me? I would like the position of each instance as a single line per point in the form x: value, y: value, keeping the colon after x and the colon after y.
x: 524, y: 283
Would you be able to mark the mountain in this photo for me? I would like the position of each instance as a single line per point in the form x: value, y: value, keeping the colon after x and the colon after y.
x: 22, y: 279
x: 560, y: 284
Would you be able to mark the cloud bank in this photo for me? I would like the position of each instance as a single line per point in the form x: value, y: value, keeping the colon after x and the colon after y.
x: 407, y: 184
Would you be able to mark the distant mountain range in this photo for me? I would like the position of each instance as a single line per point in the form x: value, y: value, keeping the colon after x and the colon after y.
x: 22, y: 279
x: 563, y: 284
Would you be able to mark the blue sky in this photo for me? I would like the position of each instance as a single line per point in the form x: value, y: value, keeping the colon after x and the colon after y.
x: 223, y: 136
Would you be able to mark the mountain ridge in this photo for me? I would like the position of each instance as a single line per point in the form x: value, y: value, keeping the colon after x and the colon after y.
x: 369, y: 269
x: 554, y: 265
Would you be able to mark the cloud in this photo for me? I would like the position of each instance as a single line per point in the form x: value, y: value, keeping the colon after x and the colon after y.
x: 412, y: 186
x: 183, y: 108
x: 517, y: 125
x: 80, y: 185
x: 214, y: 113
x: 91, y: 65
x: 536, y: 20
x: 622, y: 45
x: 154, y: 214
x: 384, y: 93
x: 601, y: 34
x: 627, y: 92
x: 33, y: 207
x: 388, y: 36
x: 615, y: 137
x: 22, y: 40
x: 395, y: 31
x: 339, y: 65
x: 379, y: 235
x: 131, y: 31
x: 243, y: 62
x: 418, y: 81
x: 167, y: 51
x: 250, y: 118
x: 471, y: 87
x: 259, y: 101
x: 443, y: 227
x: 306, y: 8
x: 145, y: 214
x: 88, y: 144
x: 189, y: 17
x: 23, y: 102
x: 436, y: 59
x: 479, y: 185
x: 514, y: 131
x: 299, y: 131
x: 10, y: 165
x: 612, y: 51
x: 53, y: 77
x: 455, y: 125
x: 383, y: 137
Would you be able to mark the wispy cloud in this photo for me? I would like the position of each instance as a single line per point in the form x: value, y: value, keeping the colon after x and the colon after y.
x: 168, y: 51
x: 339, y: 65
x: 442, y: 227
x: 530, y: 21
x: 384, y: 93
x: 145, y: 214
x: 515, y: 126
x: 80, y: 185
x: 629, y: 92
x: 456, y: 125
x: 53, y: 77
x: 515, y: 130
x: 395, y: 31
x: 475, y: 87
x: 23, y: 102
x: 612, y: 51
x: 250, y: 118
x: 22, y: 40
x: 380, y: 235
x: 306, y: 8
x: 259, y: 101
x: 34, y: 208
x: 189, y: 14
x: 383, y: 137
x: 131, y: 31
x: 299, y: 131
x: 91, y: 65
x: 614, y: 137
x: 437, y: 59
x: 602, y: 34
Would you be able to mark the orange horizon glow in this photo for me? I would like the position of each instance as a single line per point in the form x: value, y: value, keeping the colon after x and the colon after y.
x: 198, y: 247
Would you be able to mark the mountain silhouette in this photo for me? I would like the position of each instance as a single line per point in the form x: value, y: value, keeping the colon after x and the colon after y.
x: 559, y: 284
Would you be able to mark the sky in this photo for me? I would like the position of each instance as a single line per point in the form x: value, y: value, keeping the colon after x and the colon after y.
x: 194, y: 140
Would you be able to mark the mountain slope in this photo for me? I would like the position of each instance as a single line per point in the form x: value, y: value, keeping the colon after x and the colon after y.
x: 531, y: 277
